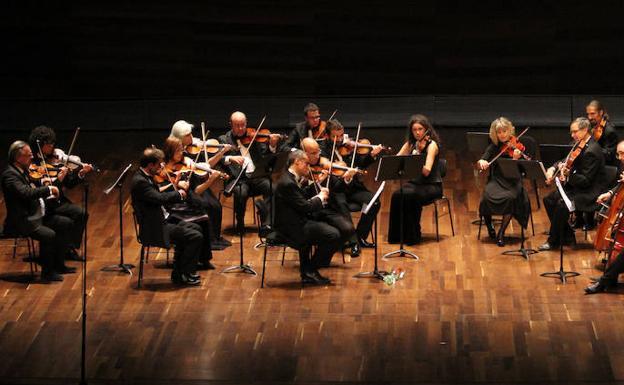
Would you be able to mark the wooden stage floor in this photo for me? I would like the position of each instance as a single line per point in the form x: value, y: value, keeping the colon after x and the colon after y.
x: 464, y: 313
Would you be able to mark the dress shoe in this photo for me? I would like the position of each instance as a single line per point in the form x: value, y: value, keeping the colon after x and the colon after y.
x: 500, y: 242
x: 546, y: 247
x: 324, y: 280
x: 184, y: 279
x: 50, y: 276
x: 194, y: 275
x: 596, y: 287
x: 264, y: 231
x: 66, y: 269
x: 365, y: 244
x: 214, y: 245
x: 205, y: 265
x: 355, y: 250
x: 224, y: 241
x: 314, y: 278
x: 73, y: 255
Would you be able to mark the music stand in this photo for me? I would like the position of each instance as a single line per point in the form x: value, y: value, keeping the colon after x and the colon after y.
x: 551, y: 153
x: 400, y: 167
x: 562, y: 274
x: 510, y: 168
x: 477, y: 143
x: 121, y: 266
x: 376, y: 273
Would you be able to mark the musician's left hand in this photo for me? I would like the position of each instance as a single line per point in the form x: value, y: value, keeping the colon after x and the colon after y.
x: 62, y: 173
x: 517, y: 154
x: 376, y: 150
x: 87, y: 168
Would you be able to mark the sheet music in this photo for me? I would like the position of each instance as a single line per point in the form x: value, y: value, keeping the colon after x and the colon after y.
x: 564, y: 196
x: 370, y: 204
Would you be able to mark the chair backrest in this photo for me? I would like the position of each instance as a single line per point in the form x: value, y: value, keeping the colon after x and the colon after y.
x: 147, y: 233
x: 442, y: 165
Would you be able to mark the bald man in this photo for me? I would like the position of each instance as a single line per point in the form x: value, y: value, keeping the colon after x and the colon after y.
x: 244, y: 157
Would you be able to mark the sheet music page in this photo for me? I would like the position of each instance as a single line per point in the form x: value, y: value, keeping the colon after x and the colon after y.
x: 374, y: 199
x: 566, y: 200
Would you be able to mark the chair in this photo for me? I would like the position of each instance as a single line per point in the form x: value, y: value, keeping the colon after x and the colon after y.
x: 146, y: 244
x: 275, y: 239
x: 30, y: 244
x: 442, y: 164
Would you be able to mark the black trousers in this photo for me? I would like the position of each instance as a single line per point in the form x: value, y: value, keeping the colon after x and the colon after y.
x: 611, y: 274
x: 250, y: 188
x: 327, y: 240
x: 414, y: 197
x: 210, y: 203
x: 362, y: 196
x: 79, y: 218
x: 53, y: 236
x: 337, y: 219
x: 558, y: 215
x: 188, y: 239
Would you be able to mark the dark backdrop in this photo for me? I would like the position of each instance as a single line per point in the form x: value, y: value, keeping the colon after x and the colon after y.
x: 167, y: 49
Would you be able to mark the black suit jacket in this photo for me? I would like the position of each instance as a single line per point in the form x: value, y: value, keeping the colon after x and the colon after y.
x: 608, y: 141
x: 147, y: 202
x: 293, y: 208
x: 585, y: 181
x: 22, y: 202
x: 257, y: 152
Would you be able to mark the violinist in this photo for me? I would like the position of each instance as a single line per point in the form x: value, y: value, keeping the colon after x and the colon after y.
x: 421, y: 138
x: 503, y: 196
x: 156, y: 222
x: 245, y: 156
x: 581, y: 174
x: 616, y: 266
x: 355, y: 190
x: 333, y: 213
x: 309, y: 128
x: 27, y: 213
x: 603, y: 130
x: 66, y: 177
x: 207, y: 199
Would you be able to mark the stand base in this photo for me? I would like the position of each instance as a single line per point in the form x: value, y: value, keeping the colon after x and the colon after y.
x: 561, y: 274
x: 521, y: 252
x: 259, y: 245
x: 120, y: 267
x: 400, y: 253
x: 243, y: 268
x: 379, y: 274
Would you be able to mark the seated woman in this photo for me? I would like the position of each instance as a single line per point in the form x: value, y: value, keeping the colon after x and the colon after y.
x: 421, y: 139
x: 502, y: 196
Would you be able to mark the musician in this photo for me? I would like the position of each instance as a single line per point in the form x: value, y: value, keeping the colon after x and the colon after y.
x: 66, y: 178
x: 616, y: 266
x: 421, y: 138
x: 603, y: 130
x: 28, y: 214
x: 581, y: 177
x: 333, y: 212
x: 355, y: 191
x: 307, y: 128
x: 294, y: 207
x: 183, y: 130
x: 157, y: 223
x: 245, y: 157
x: 502, y: 196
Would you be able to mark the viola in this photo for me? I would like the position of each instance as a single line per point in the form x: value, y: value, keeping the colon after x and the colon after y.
x: 337, y: 169
x: 37, y: 172
x: 599, y: 129
x: 574, y: 153
x: 364, y: 147
x: 512, y: 145
x: 212, y: 147
x: 262, y: 135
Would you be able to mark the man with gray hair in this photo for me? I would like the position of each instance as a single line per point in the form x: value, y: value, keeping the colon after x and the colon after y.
x: 581, y: 175
x: 27, y: 214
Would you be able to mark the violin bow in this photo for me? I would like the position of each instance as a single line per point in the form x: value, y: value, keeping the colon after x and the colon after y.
x: 71, y: 146
x: 331, y: 162
x: 357, y: 138
x: 244, y: 167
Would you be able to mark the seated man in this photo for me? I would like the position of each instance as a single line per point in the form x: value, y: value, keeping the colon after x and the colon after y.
x: 27, y: 213
x: 293, y: 210
x: 156, y: 223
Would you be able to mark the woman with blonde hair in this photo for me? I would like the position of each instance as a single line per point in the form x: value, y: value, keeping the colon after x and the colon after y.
x: 502, y: 196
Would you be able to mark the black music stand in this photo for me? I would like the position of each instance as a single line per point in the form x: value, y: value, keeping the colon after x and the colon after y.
x: 376, y: 273
x: 400, y: 167
x: 121, y: 266
x: 510, y: 168
x: 551, y: 153
x: 477, y: 143
x: 561, y: 274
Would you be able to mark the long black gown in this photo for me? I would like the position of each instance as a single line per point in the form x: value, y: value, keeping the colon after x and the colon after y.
x: 503, y: 195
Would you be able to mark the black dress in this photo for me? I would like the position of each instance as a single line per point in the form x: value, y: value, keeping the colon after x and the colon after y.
x: 503, y: 195
x: 416, y: 194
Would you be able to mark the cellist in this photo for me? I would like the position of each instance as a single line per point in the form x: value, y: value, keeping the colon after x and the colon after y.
x: 616, y: 266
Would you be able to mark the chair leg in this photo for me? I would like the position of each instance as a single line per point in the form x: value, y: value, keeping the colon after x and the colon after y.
x: 448, y: 205
x: 532, y: 226
x: 283, y: 254
x: 31, y: 257
x: 141, y: 259
x: 535, y: 188
x: 263, y: 266
x: 31, y: 245
x: 14, y: 247
x: 480, y: 224
x: 435, y: 207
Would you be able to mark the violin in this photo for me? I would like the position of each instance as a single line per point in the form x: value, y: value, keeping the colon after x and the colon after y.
x: 421, y: 144
x: 320, y: 132
x: 212, y: 147
x: 599, y: 129
x: 574, y: 153
x: 262, y: 135
x: 37, y: 172
x: 337, y: 169
x: 364, y: 147
x: 512, y: 145
x: 184, y: 169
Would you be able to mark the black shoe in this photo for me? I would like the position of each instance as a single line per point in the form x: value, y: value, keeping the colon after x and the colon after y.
x: 194, y: 275
x: 216, y: 246
x: 206, y: 265
x: 223, y: 241
x: 355, y: 250
x: 184, y: 279
x: 500, y: 242
x: 50, y: 276
x: 365, y: 244
x: 324, y: 280
x: 66, y: 269
x: 72, y: 255
x: 596, y: 287
x: 264, y: 231
x: 314, y: 278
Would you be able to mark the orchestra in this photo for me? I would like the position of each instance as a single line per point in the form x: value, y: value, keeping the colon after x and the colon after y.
x: 177, y: 192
